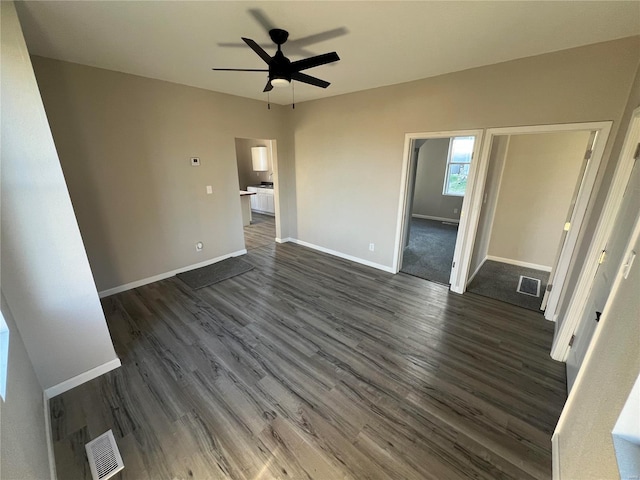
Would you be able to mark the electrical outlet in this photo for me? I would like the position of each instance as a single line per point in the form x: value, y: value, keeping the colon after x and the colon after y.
x: 209, y: 190
x: 455, y: 210
x: 372, y: 247
x: 199, y: 246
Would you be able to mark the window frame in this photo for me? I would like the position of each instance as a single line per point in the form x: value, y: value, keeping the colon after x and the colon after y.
x: 450, y: 163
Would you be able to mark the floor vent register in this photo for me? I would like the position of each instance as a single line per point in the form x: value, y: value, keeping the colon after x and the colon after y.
x: 529, y: 286
x: 104, y: 458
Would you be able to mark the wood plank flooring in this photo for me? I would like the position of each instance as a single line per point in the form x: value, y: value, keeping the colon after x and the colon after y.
x: 261, y: 232
x: 312, y: 367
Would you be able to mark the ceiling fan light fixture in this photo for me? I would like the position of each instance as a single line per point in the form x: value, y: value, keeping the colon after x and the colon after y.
x: 280, y: 82
x: 282, y: 70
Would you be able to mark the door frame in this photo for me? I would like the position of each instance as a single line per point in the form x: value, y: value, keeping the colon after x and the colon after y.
x: 457, y: 285
x: 272, y: 147
x: 621, y: 273
x: 277, y: 187
x: 579, y: 213
x: 578, y: 302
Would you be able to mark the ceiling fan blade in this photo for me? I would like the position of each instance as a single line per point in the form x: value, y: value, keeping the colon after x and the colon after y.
x: 258, y: 49
x: 261, y: 18
x: 268, y: 87
x: 304, y: 78
x: 317, y: 37
x: 314, y: 61
x: 239, y: 70
x: 239, y: 45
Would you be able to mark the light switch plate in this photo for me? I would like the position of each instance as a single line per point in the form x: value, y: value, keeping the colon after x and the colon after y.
x: 209, y: 190
x: 195, y: 161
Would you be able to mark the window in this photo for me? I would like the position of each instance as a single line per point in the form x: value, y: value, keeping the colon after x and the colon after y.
x: 458, y: 163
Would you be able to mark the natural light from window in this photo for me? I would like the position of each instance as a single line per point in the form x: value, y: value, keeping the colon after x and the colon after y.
x: 458, y: 164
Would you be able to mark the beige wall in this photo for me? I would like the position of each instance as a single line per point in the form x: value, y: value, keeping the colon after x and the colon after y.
x: 341, y: 187
x: 24, y: 452
x: 349, y: 148
x: 246, y: 175
x: 540, y: 174
x: 124, y: 143
x: 428, y: 199
x: 46, y: 277
x: 497, y: 156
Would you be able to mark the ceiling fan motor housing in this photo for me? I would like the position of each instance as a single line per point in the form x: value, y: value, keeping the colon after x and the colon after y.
x: 279, y: 66
x: 278, y: 36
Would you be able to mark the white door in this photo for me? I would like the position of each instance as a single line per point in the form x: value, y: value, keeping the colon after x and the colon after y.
x: 606, y: 273
x: 569, y: 219
x: 610, y: 225
x: 553, y: 295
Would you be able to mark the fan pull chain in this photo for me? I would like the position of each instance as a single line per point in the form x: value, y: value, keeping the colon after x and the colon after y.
x: 268, y: 101
x: 293, y: 95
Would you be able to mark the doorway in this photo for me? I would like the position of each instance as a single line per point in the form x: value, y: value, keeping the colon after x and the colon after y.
x: 563, y: 263
x: 530, y: 191
x: 438, y: 174
x: 619, y: 214
x: 256, y: 161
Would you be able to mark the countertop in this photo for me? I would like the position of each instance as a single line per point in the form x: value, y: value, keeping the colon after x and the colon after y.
x: 244, y: 193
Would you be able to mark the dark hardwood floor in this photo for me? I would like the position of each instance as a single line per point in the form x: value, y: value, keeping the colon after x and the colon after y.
x: 261, y: 232
x: 312, y: 367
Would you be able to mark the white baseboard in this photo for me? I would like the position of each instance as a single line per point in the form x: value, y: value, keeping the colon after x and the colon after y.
x: 49, y: 438
x: 510, y: 261
x: 283, y: 240
x: 162, y: 276
x: 476, y: 271
x: 82, y: 378
x: 342, y: 255
x: 442, y: 219
x: 555, y: 457
x: 262, y: 212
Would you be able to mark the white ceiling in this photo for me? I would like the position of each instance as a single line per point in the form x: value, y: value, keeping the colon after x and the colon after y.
x: 383, y: 43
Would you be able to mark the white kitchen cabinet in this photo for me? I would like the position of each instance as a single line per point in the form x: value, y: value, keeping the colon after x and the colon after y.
x: 271, y: 208
x: 254, y: 198
x: 263, y: 200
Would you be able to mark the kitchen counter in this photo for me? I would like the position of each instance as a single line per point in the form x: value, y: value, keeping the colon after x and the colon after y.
x: 245, y: 204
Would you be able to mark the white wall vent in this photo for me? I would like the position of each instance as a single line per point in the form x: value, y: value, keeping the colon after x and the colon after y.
x: 104, y: 458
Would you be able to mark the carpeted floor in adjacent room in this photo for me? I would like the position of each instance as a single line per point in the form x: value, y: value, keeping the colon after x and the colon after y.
x: 430, y: 250
x: 500, y: 281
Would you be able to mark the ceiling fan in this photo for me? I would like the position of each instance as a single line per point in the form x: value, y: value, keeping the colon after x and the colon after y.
x: 282, y: 70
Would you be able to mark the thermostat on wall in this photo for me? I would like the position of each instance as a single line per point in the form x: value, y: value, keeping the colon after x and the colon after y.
x: 195, y: 161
